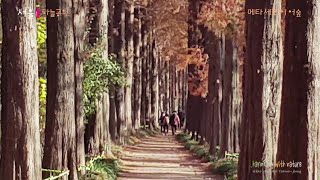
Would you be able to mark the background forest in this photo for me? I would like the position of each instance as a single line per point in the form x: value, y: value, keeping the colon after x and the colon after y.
x: 86, y: 75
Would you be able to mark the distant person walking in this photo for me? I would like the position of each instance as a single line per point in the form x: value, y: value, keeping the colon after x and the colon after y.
x: 182, y: 118
x: 164, y: 122
x: 174, y: 122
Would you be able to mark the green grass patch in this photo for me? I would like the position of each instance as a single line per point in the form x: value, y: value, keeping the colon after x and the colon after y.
x: 201, y: 152
x: 101, y: 168
x: 117, y: 151
x: 226, y: 166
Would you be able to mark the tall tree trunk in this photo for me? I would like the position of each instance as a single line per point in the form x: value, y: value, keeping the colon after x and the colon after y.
x: 171, y: 87
x: 129, y: 63
x: 98, y: 134
x: 263, y: 78
x: 154, y: 85
x: 144, y: 56
x: 227, y: 129
x: 193, y: 111
x: 212, y: 49
x: 112, y: 106
x: 79, y: 29
x: 148, y: 77
x: 167, y: 87
x: 20, y: 143
x: 119, y: 49
x: 137, y: 68
x: 114, y: 134
x: 236, y: 98
x: 299, y: 123
x: 104, y: 117
x: 60, y: 132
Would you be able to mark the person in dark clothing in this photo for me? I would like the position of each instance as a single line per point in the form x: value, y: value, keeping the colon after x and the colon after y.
x: 182, y: 118
x: 161, y: 119
x: 164, y: 122
x: 174, y: 122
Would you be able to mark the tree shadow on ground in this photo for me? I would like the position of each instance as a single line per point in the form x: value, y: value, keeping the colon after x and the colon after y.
x: 162, y: 157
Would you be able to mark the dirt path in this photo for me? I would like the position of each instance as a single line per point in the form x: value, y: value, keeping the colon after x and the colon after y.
x: 162, y: 157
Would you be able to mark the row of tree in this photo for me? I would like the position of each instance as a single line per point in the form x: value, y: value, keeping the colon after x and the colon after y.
x: 267, y: 106
x: 114, y: 27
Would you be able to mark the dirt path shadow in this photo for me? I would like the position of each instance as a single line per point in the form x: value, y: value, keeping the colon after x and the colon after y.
x: 162, y: 157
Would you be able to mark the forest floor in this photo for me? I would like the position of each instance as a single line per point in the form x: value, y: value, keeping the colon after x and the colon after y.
x: 162, y: 157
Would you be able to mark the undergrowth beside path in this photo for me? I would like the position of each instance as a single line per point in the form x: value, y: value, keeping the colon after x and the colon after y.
x: 226, y: 166
x: 107, y: 168
x: 152, y: 155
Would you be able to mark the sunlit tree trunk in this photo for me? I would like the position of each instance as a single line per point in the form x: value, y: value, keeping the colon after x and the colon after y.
x: 149, y: 75
x: 60, y: 133
x: 112, y: 110
x: 262, y: 90
x: 193, y: 101
x: 154, y: 85
x: 97, y: 130
x: 137, y: 67
x: 236, y: 85
x: 20, y: 143
x: 129, y: 63
x: 144, y: 56
x: 119, y: 50
x: 166, y: 86
x: 79, y: 29
x: 299, y: 121
x: 212, y: 48
x: 227, y: 129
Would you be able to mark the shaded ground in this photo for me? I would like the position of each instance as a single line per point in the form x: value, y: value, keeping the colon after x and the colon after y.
x: 162, y: 157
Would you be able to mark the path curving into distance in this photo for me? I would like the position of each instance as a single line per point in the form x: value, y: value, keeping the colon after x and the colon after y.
x: 162, y: 157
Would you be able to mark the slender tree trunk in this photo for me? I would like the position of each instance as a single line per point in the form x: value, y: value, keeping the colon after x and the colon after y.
x: 98, y: 134
x: 20, y: 143
x: 263, y: 78
x: 79, y: 29
x: 129, y: 64
x: 167, y: 87
x: 236, y: 98
x: 148, y: 78
x: 137, y: 70
x: 113, y: 116
x: 105, y: 145
x: 299, y: 121
x: 193, y: 42
x: 144, y: 54
x: 119, y: 49
x: 112, y: 107
x: 212, y: 49
x: 171, y: 87
x: 60, y: 133
x: 154, y: 85
x: 227, y: 128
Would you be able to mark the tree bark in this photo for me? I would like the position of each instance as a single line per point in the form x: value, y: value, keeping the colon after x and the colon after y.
x: 144, y: 54
x: 154, y: 85
x: 137, y: 70
x: 20, y: 143
x: 98, y: 134
x: 60, y: 132
x: 79, y: 29
x: 227, y: 129
x: 114, y: 134
x: 119, y: 50
x: 193, y: 111
x: 129, y: 63
x: 299, y: 121
x: 148, y: 76
x: 263, y: 78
